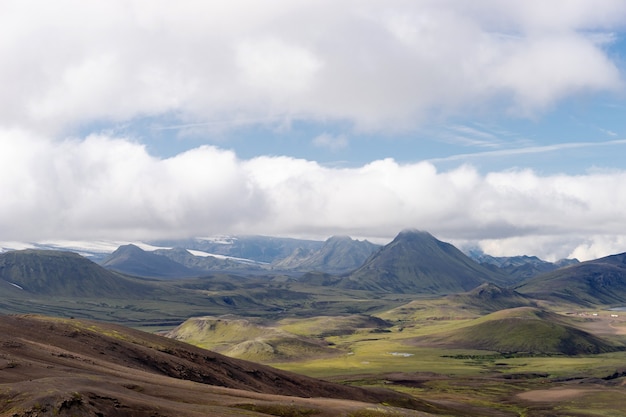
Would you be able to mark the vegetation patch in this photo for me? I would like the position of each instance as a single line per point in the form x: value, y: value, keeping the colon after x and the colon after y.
x: 281, y: 410
x: 523, y: 330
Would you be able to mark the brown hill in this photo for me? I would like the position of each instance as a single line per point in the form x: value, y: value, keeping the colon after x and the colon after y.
x: 51, y: 366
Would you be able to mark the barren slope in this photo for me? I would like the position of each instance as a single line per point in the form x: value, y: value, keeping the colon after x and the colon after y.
x: 68, y: 367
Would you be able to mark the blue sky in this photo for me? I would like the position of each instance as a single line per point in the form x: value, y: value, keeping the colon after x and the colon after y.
x: 489, y: 123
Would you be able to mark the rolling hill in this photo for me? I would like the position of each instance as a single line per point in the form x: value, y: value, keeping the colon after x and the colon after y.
x: 416, y: 262
x: 69, y: 367
x: 600, y: 282
x: 240, y: 338
x: 488, y: 298
x: 284, y: 340
x: 484, y: 299
x: 525, y: 330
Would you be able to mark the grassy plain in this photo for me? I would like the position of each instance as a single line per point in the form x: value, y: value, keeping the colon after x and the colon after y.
x: 392, y: 350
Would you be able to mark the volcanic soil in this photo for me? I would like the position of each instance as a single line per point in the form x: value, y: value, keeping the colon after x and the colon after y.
x: 66, y: 367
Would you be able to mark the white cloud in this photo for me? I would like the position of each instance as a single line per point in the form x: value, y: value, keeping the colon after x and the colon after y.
x: 330, y: 141
x: 369, y: 64
x: 276, y: 68
x: 111, y: 188
x: 380, y: 65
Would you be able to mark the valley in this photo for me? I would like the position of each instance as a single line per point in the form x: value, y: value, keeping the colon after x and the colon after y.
x: 418, y: 318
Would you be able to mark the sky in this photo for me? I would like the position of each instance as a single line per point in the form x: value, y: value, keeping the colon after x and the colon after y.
x: 491, y: 124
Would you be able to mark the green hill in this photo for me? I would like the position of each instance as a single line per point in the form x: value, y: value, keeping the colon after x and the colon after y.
x: 325, y: 326
x: 416, y: 262
x: 522, y: 330
x: 600, y: 282
x: 488, y: 298
x: 484, y: 299
x: 67, y: 274
x: 243, y: 339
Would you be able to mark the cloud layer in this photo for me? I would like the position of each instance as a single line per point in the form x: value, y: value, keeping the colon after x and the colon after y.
x: 378, y: 65
x: 369, y: 65
x: 106, y: 187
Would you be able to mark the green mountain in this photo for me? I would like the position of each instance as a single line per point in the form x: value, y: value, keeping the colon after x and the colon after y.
x: 338, y: 254
x: 601, y: 282
x: 416, y: 262
x: 523, y: 330
x: 57, y: 273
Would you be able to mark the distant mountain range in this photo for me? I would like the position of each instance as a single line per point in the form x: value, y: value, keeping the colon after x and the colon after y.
x: 415, y: 262
x: 522, y: 267
x: 257, y: 254
x: 335, y: 255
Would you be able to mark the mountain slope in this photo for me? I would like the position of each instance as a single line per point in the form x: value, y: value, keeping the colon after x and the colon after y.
x: 416, y: 262
x: 264, y: 249
x: 523, y: 330
x: 132, y: 260
x: 56, y: 273
x: 206, y: 264
x: 338, y: 254
x: 592, y: 283
x: 70, y: 367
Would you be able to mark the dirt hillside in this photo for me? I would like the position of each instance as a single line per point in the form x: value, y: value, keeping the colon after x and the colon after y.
x: 64, y: 367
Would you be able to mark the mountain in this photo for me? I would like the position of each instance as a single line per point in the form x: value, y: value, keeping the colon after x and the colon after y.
x: 338, y: 254
x: 132, y: 260
x: 416, y: 262
x: 71, y: 367
x: 525, y: 330
x: 257, y: 248
x: 601, y: 282
x: 207, y: 263
x: 520, y: 268
x: 57, y: 273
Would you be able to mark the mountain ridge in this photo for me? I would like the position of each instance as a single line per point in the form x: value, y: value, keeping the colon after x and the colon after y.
x: 338, y: 254
x: 597, y: 282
